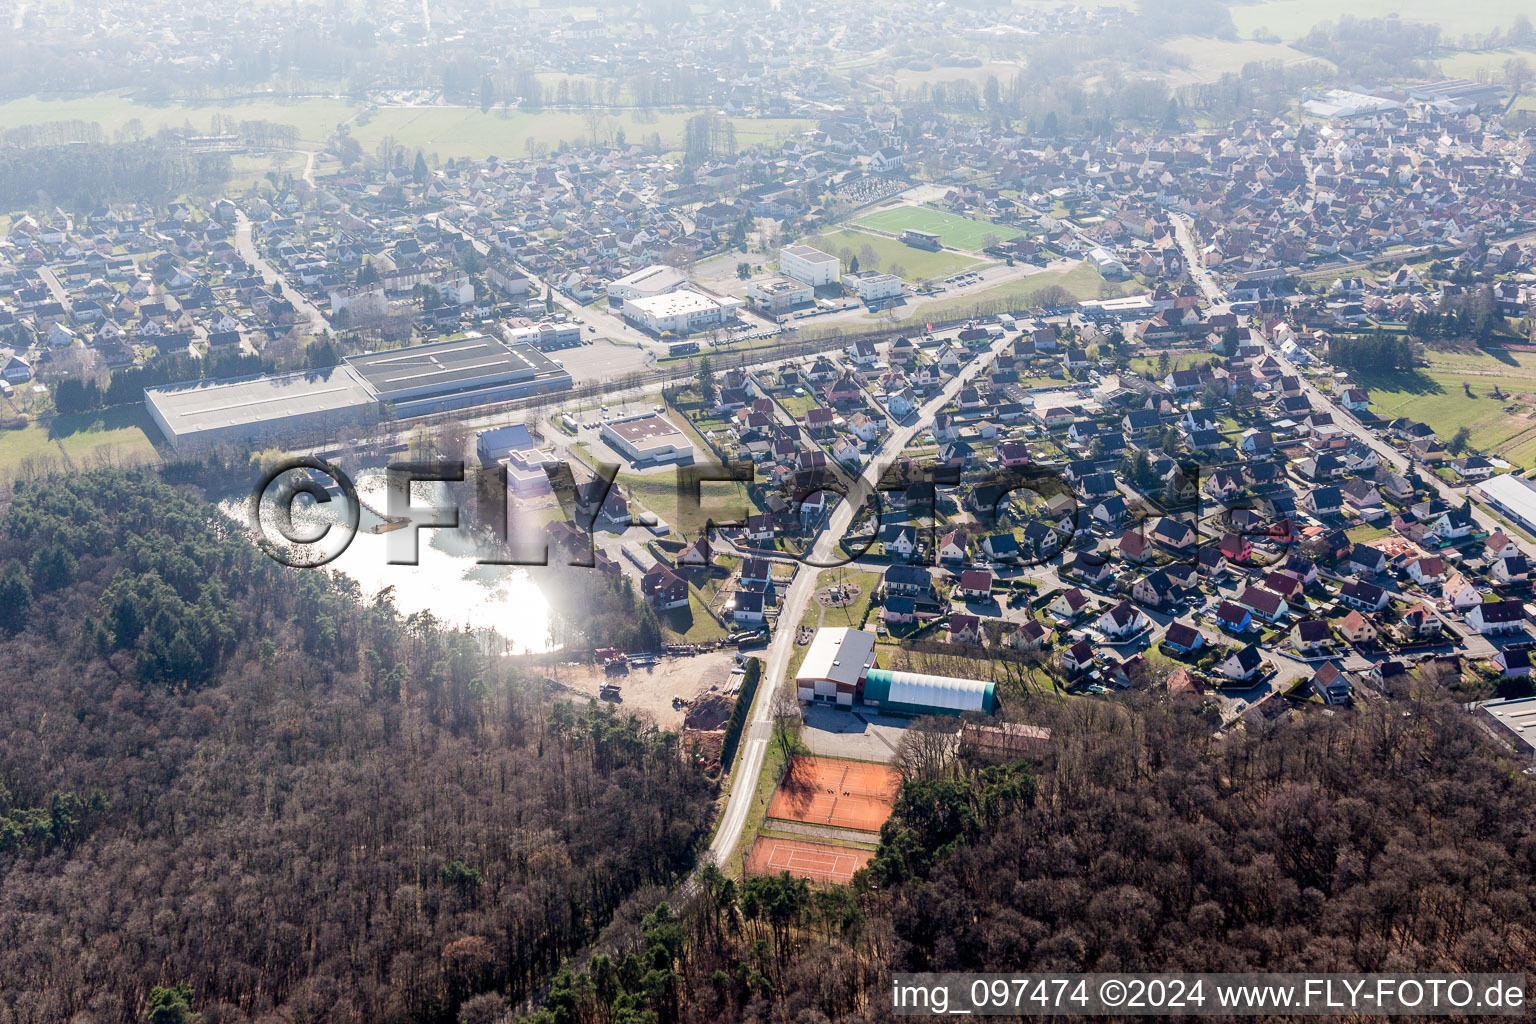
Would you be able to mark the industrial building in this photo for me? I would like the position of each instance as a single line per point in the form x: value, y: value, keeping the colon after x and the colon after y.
x: 812, y: 266
x: 780, y: 294
x: 680, y: 312
x: 314, y: 404
x: 840, y: 668
x: 647, y: 283
x: 425, y: 379
x: 1517, y: 716
x: 542, y: 336
x: 1514, y: 496
x: 873, y: 286
x: 648, y: 439
x: 261, y: 409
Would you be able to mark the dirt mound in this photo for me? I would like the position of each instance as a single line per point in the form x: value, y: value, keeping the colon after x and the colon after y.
x: 709, y: 712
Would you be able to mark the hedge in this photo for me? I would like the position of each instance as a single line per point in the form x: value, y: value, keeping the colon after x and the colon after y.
x: 739, y: 713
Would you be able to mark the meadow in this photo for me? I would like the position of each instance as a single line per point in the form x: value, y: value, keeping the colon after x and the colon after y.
x: 953, y: 230
x: 447, y: 131
x: 1292, y: 19
x: 1082, y: 282
x: 1435, y: 394
x: 891, y: 256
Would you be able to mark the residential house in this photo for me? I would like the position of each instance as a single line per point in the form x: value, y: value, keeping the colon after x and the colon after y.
x: 1243, y: 665
x: 1069, y: 604
x: 1233, y: 617
x: 1331, y: 684
x: 1311, y: 636
x: 1357, y: 629
x: 1362, y: 596
x: 1497, y: 617
x: 1121, y: 621
x: 965, y: 629
x: 1182, y: 638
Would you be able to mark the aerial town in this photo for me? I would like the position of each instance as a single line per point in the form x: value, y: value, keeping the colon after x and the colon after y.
x: 883, y: 398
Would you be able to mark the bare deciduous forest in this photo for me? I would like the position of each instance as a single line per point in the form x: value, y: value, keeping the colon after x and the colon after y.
x: 1381, y: 841
x: 218, y: 772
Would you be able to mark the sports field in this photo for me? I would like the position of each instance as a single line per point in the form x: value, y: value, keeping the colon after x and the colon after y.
x: 1439, y: 396
x: 815, y: 861
x: 953, y: 230
x: 843, y: 794
x: 889, y: 255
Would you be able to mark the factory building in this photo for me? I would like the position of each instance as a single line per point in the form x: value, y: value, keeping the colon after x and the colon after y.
x: 840, y: 668
x: 542, y: 336
x: 644, y: 284
x: 811, y: 266
x: 425, y: 379
x: 648, y: 439
x: 314, y: 405
x: 680, y: 312
x: 262, y: 409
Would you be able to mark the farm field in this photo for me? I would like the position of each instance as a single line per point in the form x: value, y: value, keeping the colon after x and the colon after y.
x: 891, y: 256
x: 1292, y: 19
x: 1470, y: 64
x: 1209, y: 58
x: 314, y: 118
x: 466, y: 132
x: 1435, y: 394
x: 446, y: 131
x: 953, y: 230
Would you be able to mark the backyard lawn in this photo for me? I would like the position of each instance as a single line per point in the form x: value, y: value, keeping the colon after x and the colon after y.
x: 953, y: 229
x: 1435, y: 394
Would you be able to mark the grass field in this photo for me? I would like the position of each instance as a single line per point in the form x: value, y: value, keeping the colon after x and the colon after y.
x: 890, y: 256
x: 446, y: 131
x: 1176, y: 361
x: 1470, y: 64
x: 724, y: 501
x: 1082, y: 281
x: 314, y: 118
x: 29, y: 444
x: 118, y: 436
x: 466, y: 132
x: 1209, y: 58
x: 1435, y: 395
x: 953, y: 230
x: 1291, y: 19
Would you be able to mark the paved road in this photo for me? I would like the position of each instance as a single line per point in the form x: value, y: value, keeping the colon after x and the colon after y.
x: 759, y: 728
x: 246, y: 247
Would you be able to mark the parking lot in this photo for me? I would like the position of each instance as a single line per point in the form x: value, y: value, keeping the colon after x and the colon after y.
x: 860, y: 735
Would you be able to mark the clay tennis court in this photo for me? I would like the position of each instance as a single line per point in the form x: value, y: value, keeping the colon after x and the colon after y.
x: 815, y: 861
x: 844, y: 794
